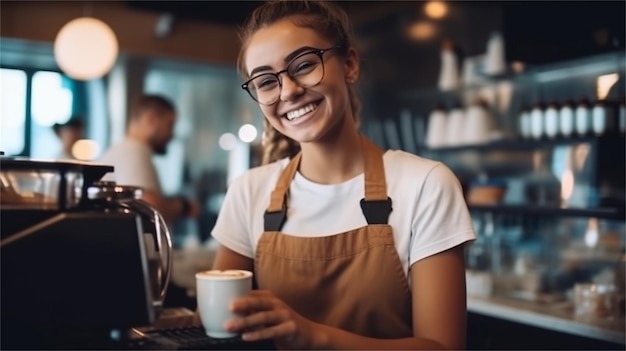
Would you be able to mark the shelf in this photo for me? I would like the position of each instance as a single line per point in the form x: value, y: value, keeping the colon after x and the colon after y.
x: 593, y: 65
x: 557, y: 316
x: 525, y: 144
x: 434, y: 93
x: 604, y: 213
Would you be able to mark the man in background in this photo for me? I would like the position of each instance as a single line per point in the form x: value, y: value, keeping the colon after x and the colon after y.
x: 69, y: 133
x: 150, y: 128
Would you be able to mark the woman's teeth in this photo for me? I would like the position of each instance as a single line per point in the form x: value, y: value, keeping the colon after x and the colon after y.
x: 301, y: 111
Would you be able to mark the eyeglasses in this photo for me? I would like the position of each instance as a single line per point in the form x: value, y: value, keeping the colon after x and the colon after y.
x: 306, y: 69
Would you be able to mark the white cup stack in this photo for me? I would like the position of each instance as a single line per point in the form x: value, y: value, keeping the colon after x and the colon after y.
x: 436, y: 130
x: 455, y: 127
x: 478, y: 124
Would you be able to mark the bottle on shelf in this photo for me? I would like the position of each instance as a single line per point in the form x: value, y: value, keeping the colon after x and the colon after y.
x: 542, y: 187
x: 537, y: 121
x: 551, y: 119
x: 449, y: 78
x: 601, y: 117
x: 566, y: 118
x: 583, y: 117
x: 524, y: 123
x: 495, y: 63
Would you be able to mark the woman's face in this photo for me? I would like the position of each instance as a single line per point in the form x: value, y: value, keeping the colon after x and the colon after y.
x: 303, y: 114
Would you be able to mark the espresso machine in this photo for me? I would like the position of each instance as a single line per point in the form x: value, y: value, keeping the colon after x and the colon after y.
x: 85, y: 264
x: 81, y: 259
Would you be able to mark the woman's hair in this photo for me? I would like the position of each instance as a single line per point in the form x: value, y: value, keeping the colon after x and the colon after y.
x: 329, y: 21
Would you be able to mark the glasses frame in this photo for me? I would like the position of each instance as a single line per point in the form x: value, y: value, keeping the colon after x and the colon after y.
x: 319, y: 52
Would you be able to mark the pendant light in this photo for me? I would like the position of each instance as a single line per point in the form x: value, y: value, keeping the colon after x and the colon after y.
x: 86, y: 48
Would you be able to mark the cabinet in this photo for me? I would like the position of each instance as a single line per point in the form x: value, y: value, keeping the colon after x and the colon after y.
x: 561, y: 220
x: 565, y: 176
x: 533, y: 250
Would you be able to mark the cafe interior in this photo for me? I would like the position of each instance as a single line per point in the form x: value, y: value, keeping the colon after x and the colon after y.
x: 523, y: 100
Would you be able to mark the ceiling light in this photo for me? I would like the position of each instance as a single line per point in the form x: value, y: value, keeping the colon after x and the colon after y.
x: 86, y: 48
x: 436, y: 9
x: 421, y: 30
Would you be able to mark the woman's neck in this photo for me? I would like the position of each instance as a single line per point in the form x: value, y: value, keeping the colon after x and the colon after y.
x: 333, y: 161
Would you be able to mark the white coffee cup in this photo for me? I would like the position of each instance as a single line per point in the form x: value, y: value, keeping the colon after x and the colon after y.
x: 215, y: 289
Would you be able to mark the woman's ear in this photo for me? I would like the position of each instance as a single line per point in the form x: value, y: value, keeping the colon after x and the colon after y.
x: 352, y: 65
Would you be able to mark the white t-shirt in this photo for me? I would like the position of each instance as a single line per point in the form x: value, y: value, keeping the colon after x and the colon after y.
x: 133, y: 165
x: 429, y: 213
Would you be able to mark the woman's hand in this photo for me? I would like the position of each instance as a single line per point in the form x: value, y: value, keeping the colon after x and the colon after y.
x: 264, y: 316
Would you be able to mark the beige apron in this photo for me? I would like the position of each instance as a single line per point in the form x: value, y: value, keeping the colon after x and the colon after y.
x: 353, y: 280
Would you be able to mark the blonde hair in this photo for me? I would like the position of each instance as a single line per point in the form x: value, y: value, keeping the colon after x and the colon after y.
x: 327, y: 19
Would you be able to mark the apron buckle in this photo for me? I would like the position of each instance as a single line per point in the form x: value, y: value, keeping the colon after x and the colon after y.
x: 274, y: 221
x: 376, y: 211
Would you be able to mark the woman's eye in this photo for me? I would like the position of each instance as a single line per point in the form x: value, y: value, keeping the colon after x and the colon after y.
x: 304, y: 67
x: 266, y: 83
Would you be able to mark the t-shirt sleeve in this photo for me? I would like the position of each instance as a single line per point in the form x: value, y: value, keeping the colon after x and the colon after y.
x: 232, y: 228
x: 442, y: 220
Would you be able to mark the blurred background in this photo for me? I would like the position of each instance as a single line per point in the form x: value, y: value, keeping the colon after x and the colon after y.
x: 523, y: 100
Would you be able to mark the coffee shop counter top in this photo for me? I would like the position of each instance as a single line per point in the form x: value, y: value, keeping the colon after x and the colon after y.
x: 556, y: 316
x: 188, y: 261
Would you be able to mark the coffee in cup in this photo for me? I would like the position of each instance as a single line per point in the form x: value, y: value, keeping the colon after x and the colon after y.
x: 215, y: 289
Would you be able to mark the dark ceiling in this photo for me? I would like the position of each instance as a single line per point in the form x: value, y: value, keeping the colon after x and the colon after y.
x: 549, y: 38
x: 224, y: 12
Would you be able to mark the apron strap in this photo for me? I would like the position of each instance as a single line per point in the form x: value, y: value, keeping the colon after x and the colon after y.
x: 276, y: 214
x: 376, y: 205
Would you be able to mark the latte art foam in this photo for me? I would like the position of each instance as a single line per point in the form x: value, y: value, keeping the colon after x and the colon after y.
x: 224, y: 274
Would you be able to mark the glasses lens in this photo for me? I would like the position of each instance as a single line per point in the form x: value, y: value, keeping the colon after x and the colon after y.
x: 307, y: 70
x: 264, y: 88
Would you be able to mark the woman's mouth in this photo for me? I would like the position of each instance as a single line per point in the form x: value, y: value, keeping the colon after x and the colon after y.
x: 295, y: 114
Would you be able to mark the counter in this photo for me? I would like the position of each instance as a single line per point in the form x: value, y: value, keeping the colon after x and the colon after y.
x: 557, y: 317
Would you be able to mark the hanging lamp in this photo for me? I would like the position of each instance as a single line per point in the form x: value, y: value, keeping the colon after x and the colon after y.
x: 86, y: 48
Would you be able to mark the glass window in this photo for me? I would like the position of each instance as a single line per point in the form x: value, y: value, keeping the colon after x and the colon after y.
x: 52, y: 102
x: 12, y: 110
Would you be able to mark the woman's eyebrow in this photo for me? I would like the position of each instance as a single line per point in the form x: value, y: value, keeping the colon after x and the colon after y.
x: 288, y: 59
x: 297, y: 52
x: 260, y: 69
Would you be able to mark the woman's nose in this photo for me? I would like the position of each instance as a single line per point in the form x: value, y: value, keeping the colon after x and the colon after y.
x: 290, y: 89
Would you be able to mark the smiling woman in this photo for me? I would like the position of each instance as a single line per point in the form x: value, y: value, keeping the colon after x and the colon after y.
x: 331, y: 214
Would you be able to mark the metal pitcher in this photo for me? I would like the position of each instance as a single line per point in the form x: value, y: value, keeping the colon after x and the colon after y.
x: 156, y: 235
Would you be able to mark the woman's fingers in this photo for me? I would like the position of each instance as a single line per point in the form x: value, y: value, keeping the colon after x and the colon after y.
x: 263, y: 318
x: 253, y: 302
x: 286, y: 329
